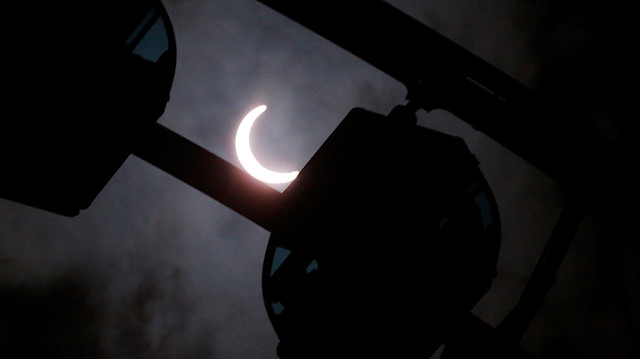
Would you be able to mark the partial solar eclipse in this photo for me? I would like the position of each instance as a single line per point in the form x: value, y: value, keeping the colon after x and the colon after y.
x: 246, y: 157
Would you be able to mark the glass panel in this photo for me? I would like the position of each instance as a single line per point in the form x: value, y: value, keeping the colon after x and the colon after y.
x: 312, y: 266
x: 154, y: 43
x: 149, y: 40
x: 278, y: 308
x: 136, y: 33
x: 278, y: 258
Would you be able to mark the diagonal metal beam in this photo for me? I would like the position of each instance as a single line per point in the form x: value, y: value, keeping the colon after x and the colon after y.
x: 211, y: 175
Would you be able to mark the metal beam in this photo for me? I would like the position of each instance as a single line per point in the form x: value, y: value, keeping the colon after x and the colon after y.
x: 211, y: 175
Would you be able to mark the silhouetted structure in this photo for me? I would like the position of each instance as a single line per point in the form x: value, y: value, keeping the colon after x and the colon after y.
x: 380, y: 256
x: 389, y: 235
x: 86, y: 78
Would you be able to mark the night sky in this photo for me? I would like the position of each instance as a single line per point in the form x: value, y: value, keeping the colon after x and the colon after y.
x: 155, y: 269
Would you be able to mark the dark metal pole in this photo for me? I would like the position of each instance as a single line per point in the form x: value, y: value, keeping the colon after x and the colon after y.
x: 211, y: 175
x: 474, y: 338
x: 543, y: 277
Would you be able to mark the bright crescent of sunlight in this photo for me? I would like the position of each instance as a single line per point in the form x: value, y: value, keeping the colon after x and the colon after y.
x: 246, y: 157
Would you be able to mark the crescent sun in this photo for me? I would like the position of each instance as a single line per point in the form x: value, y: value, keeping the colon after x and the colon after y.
x: 246, y: 157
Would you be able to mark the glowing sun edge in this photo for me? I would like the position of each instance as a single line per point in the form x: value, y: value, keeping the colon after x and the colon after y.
x: 246, y: 157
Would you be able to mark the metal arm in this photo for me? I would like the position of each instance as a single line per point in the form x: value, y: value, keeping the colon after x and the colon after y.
x: 211, y: 175
x: 543, y: 277
x: 476, y: 339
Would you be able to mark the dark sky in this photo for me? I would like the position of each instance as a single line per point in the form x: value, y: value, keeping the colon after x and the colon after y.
x: 155, y: 269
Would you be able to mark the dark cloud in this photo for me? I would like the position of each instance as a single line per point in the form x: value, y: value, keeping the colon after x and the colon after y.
x: 56, y: 320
